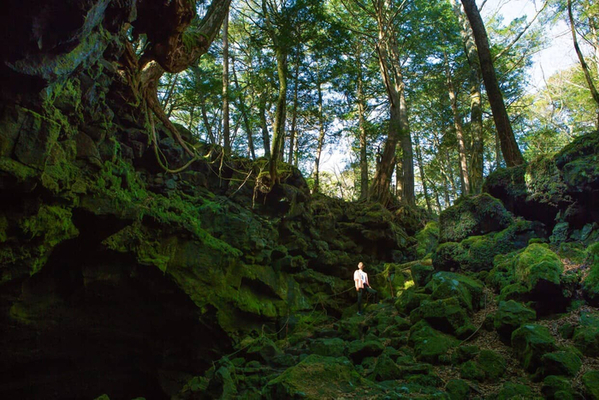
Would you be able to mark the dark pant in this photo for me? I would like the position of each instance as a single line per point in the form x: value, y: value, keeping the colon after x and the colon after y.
x: 361, y: 291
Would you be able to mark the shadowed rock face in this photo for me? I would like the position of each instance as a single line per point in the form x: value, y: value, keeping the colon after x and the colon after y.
x: 94, y: 321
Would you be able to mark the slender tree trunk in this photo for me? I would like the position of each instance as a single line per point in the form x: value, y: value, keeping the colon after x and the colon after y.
x: 408, y: 194
x: 509, y: 147
x: 423, y: 177
x: 244, y: 115
x: 280, y: 115
x: 362, y: 127
x: 320, y: 143
x: 476, y: 114
x: 464, y: 176
x: 169, y: 94
x: 264, y: 125
x: 292, y: 133
x: 583, y: 64
x: 206, y: 121
x: 226, y: 128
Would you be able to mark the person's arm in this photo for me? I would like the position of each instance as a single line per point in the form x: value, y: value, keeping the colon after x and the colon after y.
x: 367, y: 283
x: 357, y: 280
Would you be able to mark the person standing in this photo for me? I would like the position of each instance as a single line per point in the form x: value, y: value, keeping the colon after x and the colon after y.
x: 362, y: 285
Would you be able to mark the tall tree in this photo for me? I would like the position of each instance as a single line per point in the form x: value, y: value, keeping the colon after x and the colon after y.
x: 509, y: 146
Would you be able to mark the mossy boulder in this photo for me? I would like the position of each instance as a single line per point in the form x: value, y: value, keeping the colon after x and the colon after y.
x: 514, y: 391
x: 487, y: 366
x: 457, y: 389
x: 530, y: 343
x: 565, y: 363
x: 472, y: 216
x: 317, y: 377
x: 590, y: 284
x: 427, y: 239
x: 359, y: 350
x: 445, y: 315
x: 510, y: 316
x: 590, y: 382
x: 421, y: 273
x: 586, y: 335
x: 385, y: 369
x: 476, y: 253
x: 468, y: 291
x: 334, y: 347
x: 557, y: 387
x: 410, y: 299
x: 430, y: 345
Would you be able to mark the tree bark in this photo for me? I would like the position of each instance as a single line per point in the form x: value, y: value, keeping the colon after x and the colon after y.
x: 244, y: 115
x: 362, y: 128
x: 427, y: 198
x: 280, y: 115
x: 476, y: 114
x: 464, y: 176
x: 264, y: 125
x: 583, y: 64
x: 320, y: 143
x: 226, y: 127
x: 509, y: 147
x: 292, y: 133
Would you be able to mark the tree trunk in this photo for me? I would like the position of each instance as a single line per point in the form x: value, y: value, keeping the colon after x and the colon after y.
x: 320, y: 143
x: 292, y: 133
x: 464, y: 177
x: 226, y: 128
x: 407, y: 159
x: 264, y: 125
x: 423, y: 177
x: 583, y: 64
x: 280, y: 115
x: 244, y: 114
x: 476, y: 114
x: 207, y: 124
x: 362, y: 128
x: 509, y: 147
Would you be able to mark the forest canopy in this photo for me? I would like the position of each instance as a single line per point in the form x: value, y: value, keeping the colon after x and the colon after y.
x: 396, y: 89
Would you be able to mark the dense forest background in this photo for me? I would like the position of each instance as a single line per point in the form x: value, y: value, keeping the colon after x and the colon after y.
x: 330, y: 70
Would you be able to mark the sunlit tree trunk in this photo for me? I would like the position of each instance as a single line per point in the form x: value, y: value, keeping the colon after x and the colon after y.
x: 320, y: 143
x: 226, y: 128
x: 422, y: 176
x: 583, y: 63
x: 464, y: 176
x: 264, y: 125
x: 293, y: 133
x: 509, y: 147
x: 278, y: 136
x: 476, y: 114
x: 244, y: 115
x: 362, y: 126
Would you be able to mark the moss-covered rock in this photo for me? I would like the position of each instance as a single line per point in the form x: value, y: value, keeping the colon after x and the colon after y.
x: 385, y: 369
x: 317, y: 377
x: 409, y: 300
x: 457, y: 389
x: 557, y: 387
x: 590, y: 382
x: 586, y: 335
x: 359, y: 350
x: 333, y: 347
x: 510, y: 316
x: 492, y: 364
x: 421, y: 274
x: 477, y: 253
x: 446, y: 315
x: 531, y: 343
x: 566, y: 363
x: 468, y: 291
x: 590, y: 284
x: 427, y: 239
x: 514, y: 391
x: 472, y: 216
x: 429, y: 344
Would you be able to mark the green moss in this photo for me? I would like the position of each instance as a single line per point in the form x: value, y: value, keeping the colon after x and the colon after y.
x: 590, y: 381
x: 530, y: 342
x: 429, y: 344
x: 428, y: 240
x: 537, y: 262
x: 473, y: 216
